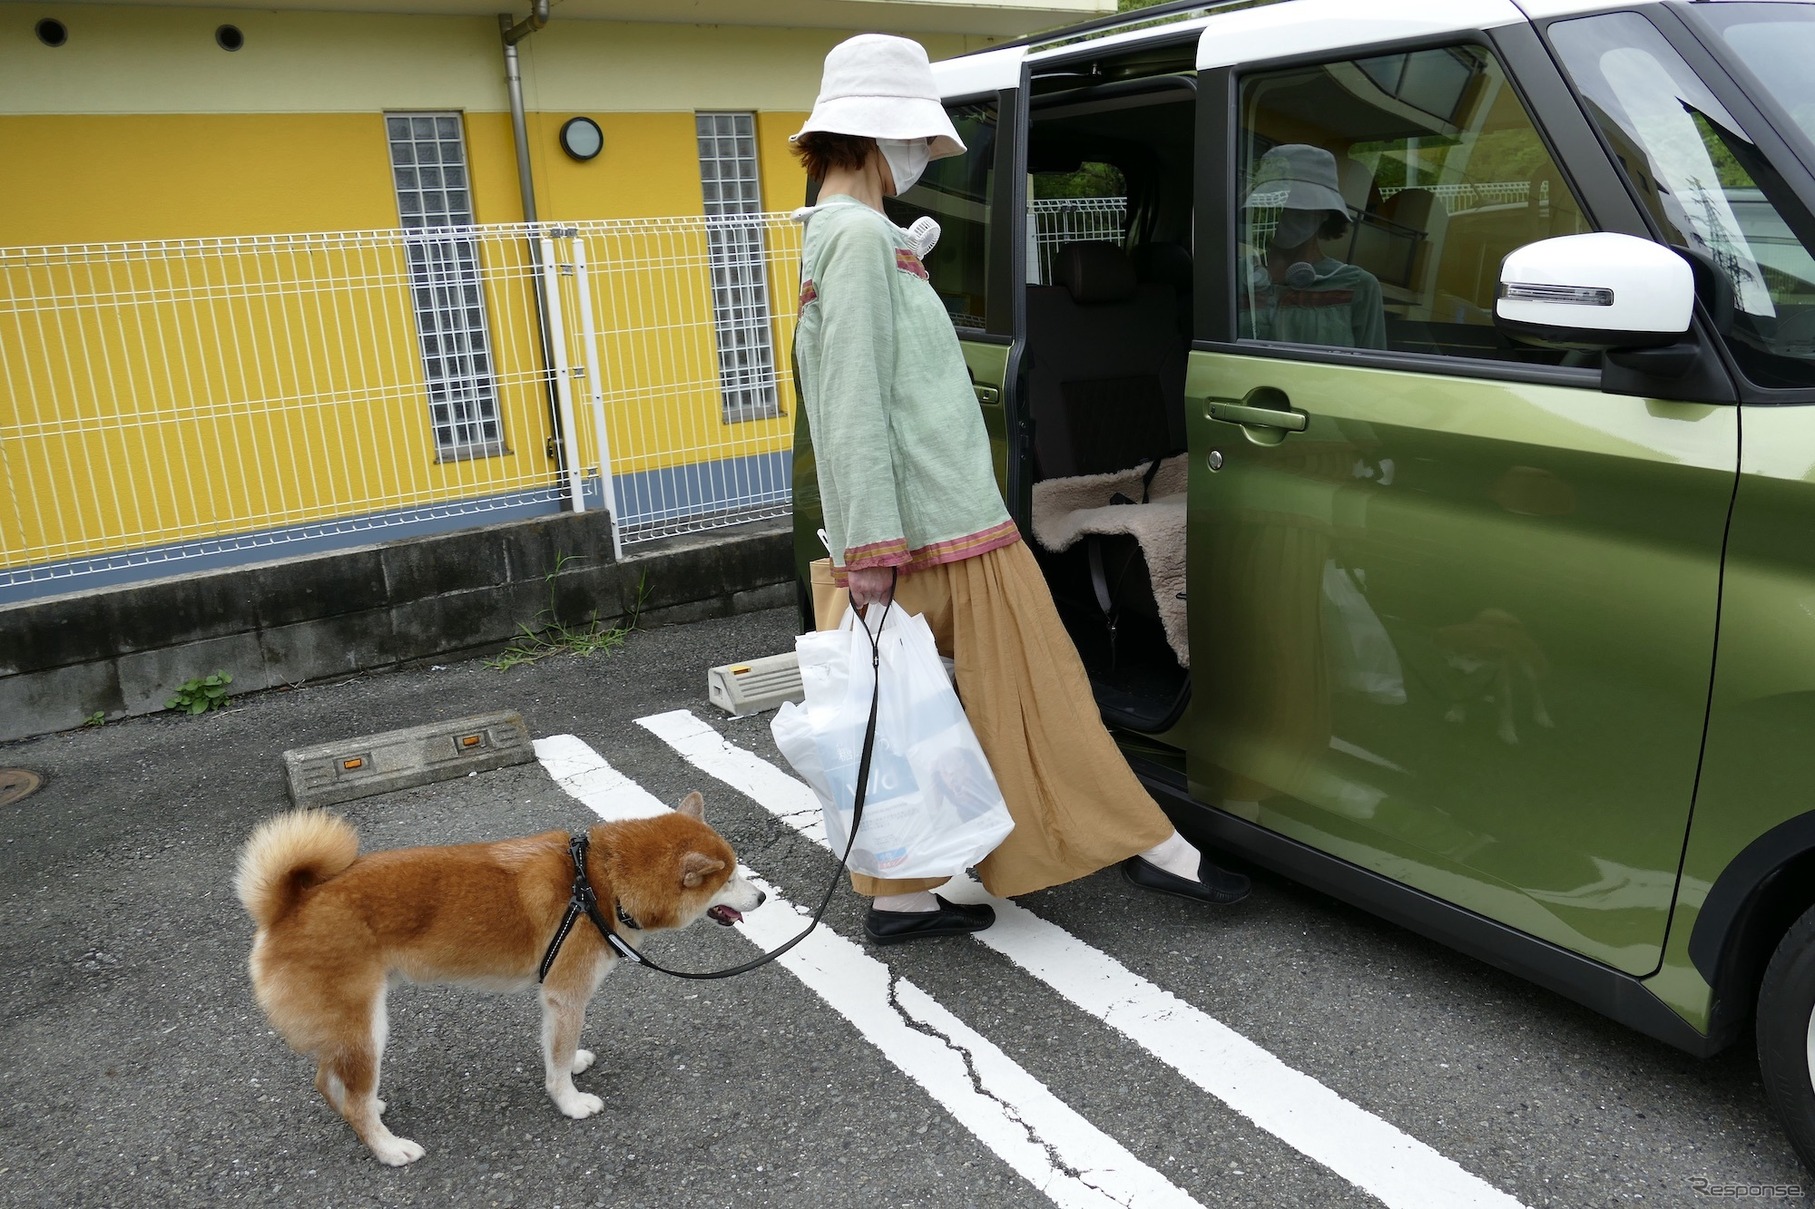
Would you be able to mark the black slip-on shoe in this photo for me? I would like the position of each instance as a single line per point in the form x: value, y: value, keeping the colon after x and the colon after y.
x: 1213, y: 885
x: 951, y: 919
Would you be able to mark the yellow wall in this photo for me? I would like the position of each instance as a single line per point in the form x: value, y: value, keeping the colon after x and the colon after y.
x: 280, y: 406
x: 649, y: 167
x: 200, y: 175
x: 241, y: 386
x: 141, y: 127
x: 784, y: 184
x: 172, y: 176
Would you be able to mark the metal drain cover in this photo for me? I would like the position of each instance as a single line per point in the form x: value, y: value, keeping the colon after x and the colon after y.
x: 17, y: 784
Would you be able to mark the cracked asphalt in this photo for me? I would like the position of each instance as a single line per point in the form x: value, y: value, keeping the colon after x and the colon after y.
x: 135, y: 1068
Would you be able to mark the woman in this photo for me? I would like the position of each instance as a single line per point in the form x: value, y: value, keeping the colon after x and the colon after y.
x: 911, y: 506
x: 1297, y: 293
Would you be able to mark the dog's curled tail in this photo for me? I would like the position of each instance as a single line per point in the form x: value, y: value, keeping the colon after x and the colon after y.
x: 288, y: 854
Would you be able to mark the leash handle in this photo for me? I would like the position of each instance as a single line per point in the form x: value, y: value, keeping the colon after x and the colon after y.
x: 857, y: 798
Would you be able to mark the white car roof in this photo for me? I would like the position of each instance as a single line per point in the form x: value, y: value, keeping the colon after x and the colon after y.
x: 1307, y: 26
x: 1268, y: 32
x: 986, y: 71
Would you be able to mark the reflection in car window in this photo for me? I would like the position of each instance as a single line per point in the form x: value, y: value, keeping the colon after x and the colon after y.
x: 1706, y: 185
x: 1440, y: 172
x: 1776, y: 42
x: 955, y: 192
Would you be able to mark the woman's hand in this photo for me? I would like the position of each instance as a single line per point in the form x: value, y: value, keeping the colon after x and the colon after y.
x: 871, y: 585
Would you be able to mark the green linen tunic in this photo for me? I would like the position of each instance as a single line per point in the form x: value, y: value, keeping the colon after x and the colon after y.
x: 905, y: 474
x: 1343, y: 309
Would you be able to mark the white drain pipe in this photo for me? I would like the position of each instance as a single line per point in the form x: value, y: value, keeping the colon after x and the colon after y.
x: 513, y: 79
x: 511, y: 34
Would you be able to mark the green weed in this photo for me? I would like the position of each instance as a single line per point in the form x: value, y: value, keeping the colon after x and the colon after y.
x: 197, y: 696
x: 550, y: 635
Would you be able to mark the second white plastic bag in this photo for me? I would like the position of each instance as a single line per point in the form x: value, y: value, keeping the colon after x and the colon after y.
x: 933, y: 808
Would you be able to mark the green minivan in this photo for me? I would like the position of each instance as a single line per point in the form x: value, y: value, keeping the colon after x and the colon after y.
x: 1463, y: 568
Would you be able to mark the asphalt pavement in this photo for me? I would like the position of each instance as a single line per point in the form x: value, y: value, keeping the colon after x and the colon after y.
x: 135, y: 1068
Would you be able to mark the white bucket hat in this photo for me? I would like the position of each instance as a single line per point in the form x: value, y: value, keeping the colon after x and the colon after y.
x: 882, y: 87
x: 1297, y: 176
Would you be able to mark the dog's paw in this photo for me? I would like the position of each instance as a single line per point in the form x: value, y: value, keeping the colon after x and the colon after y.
x: 381, y: 1106
x: 580, y: 1105
x: 583, y: 1060
x: 397, y: 1152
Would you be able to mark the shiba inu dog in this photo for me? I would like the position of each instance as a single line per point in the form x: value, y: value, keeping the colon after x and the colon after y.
x: 1497, y: 660
x: 336, y: 929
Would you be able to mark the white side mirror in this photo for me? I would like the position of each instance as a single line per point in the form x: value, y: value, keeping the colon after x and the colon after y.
x: 1595, y: 291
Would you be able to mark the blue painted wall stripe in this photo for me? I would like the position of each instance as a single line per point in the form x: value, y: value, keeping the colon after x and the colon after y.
x: 647, y: 499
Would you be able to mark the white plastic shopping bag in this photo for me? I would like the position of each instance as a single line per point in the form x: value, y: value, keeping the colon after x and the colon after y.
x: 932, y: 808
x: 1361, y: 652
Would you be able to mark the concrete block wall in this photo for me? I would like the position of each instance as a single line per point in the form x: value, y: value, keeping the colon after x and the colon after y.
x: 122, y: 651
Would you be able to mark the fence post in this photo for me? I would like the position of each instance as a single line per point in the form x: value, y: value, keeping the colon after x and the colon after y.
x: 557, y: 339
x: 593, y: 351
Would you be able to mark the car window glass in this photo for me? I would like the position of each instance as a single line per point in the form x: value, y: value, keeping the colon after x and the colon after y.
x: 1706, y: 185
x: 956, y: 193
x: 1378, y: 196
x: 1776, y: 42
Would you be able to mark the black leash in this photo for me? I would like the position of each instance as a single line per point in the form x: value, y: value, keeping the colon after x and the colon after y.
x: 585, y: 900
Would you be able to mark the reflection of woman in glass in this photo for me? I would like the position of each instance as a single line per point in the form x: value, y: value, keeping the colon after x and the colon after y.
x: 1296, y: 293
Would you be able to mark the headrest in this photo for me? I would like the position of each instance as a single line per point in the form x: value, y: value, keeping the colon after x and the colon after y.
x: 1416, y: 207
x: 1094, y: 272
x: 1165, y: 263
x: 1357, y: 184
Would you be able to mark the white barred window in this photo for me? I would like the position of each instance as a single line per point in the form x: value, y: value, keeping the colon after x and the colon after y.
x: 740, y: 278
x: 435, y: 202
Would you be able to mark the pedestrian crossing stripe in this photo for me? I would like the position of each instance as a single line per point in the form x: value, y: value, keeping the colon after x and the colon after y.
x: 1357, y: 1145
x: 1041, y: 1138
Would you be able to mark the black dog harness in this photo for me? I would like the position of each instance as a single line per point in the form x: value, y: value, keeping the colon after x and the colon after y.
x: 585, y: 900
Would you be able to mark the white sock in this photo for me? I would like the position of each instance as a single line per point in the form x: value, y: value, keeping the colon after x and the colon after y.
x: 1176, y: 856
x: 920, y: 900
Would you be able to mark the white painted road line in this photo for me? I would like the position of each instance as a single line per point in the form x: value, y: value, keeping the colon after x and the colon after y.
x: 581, y: 771
x: 1046, y: 1142
x: 1370, y: 1153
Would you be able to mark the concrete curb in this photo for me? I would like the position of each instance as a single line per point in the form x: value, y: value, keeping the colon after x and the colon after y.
x: 121, y: 651
x: 358, y: 767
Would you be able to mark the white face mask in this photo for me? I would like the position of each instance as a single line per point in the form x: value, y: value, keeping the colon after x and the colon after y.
x: 906, y: 159
x: 1296, y: 227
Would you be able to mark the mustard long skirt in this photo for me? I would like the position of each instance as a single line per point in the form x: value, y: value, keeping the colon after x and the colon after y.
x: 1077, y: 807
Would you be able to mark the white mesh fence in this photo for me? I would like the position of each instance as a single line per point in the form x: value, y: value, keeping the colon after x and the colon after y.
x: 695, y: 320
x: 199, y: 399
x: 1464, y: 196
x: 1062, y: 220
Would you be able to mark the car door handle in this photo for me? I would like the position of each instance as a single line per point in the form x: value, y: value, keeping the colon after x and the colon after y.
x: 1255, y: 417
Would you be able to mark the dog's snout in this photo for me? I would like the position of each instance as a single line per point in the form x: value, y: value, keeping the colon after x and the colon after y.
x: 761, y: 898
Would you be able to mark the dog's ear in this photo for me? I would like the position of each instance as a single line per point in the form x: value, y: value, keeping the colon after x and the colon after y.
x: 693, y: 806
x: 696, y: 867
